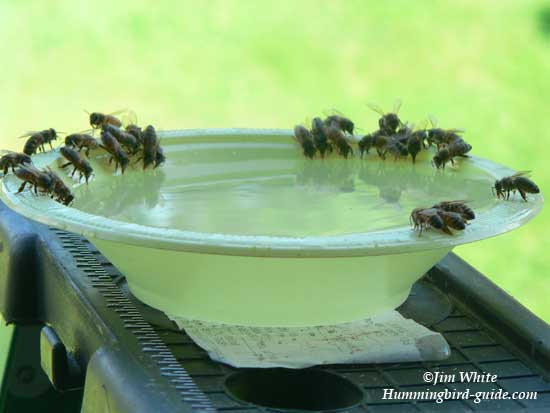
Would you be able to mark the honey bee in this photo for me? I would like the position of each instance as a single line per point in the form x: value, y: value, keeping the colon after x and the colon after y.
x: 58, y: 190
x: 159, y: 157
x: 151, y: 153
x: 37, y: 140
x: 126, y: 139
x: 438, y: 136
x: 111, y: 145
x: 441, y: 158
x: 365, y: 144
x: 425, y: 218
x: 98, y: 120
x: 80, y: 141
x: 377, y: 140
x: 135, y: 130
x: 416, y: 140
x: 304, y: 138
x: 456, y: 206
x: 389, y: 122
x: 340, y: 122
x: 337, y: 138
x: 517, y: 182
x: 396, y: 146
x: 446, y: 153
x: 13, y: 159
x: 34, y: 177
x: 459, y: 147
x: 320, y: 139
x: 453, y: 220
x: 79, y: 164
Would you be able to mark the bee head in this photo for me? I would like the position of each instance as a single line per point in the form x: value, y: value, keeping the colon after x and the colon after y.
x: 498, y: 187
x: 390, y: 121
x: 68, y: 199
x: 87, y: 169
x: 96, y: 119
x: 317, y: 124
x: 52, y: 134
x: 348, y: 126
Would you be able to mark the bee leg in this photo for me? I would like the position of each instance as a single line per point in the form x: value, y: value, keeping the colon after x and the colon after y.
x: 35, y: 189
x: 74, y: 170
x: 7, y: 168
x: 111, y: 161
x: 446, y: 230
x: 522, y: 193
x: 22, y: 187
x: 65, y: 165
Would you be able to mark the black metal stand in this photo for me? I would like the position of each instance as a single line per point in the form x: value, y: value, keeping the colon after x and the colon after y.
x: 83, y: 342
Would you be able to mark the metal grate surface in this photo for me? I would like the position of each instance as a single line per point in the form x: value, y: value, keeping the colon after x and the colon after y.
x: 474, y: 348
x: 105, y: 278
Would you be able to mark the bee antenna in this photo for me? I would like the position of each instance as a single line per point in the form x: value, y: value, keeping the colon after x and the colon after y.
x: 86, y: 111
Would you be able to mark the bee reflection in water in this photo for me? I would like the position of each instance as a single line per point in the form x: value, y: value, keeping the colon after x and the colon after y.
x: 388, y: 181
x: 123, y: 196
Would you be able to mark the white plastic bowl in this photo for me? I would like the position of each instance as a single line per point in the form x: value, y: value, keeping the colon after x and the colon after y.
x: 238, y: 227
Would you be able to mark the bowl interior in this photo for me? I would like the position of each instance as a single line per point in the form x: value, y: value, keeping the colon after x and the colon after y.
x: 253, y: 193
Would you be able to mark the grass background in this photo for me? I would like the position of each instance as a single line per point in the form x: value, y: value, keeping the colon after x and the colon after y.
x: 481, y: 66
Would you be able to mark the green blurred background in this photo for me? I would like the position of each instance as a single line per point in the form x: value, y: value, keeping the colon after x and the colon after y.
x: 480, y: 66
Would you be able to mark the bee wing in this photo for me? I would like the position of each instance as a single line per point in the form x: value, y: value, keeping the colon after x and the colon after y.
x: 119, y: 112
x: 460, y: 201
x: 422, y: 125
x: 397, y: 105
x: 376, y: 108
x: 330, y: 112
x: 26, y: 135
x: 433, y: 120
x: 454, y: 130
x: 521, y: 173
x: 129, y: 118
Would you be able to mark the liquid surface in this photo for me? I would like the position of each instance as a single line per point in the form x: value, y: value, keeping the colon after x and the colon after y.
x: 254, y: 189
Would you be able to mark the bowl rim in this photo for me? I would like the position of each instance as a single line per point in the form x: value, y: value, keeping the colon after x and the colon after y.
x: 512, y: 214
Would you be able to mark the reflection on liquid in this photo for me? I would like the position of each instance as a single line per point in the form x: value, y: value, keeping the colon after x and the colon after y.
x: 249, y: 192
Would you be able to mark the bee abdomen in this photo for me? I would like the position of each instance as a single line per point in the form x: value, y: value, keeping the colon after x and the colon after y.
x: 436, y: 222
x: 453, y: 220
x: 527, y: 185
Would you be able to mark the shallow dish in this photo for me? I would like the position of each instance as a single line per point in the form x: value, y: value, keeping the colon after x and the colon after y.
x: 238, y: 227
